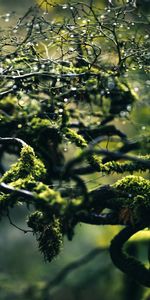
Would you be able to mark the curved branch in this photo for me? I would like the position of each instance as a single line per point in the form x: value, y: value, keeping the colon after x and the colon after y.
x: 99, y: 219
x: 9, y: 140
x: 114, y: 155
x: 128, y: 264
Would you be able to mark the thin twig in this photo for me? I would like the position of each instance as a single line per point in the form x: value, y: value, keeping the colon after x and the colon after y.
x: 71, y: 267
x: 21, y: 229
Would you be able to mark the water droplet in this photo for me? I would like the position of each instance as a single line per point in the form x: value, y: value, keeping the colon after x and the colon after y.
x: 136, y: 89
x: 123, y: 122
x: 64, y: 6
x: 123, y: 113
x: 102, y: 17
x: 35, y: 68
x: 42, y: 66
x: 36, y: 26
x: 111, y: 83
x: 143, y: 127
x: 7, y: 20
x: 65, y: 149
x: 65, y: 100
x: 60, y: 110
x: 129, y: 107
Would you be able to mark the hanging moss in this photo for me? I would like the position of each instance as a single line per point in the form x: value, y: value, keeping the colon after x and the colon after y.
x: 48, y: 234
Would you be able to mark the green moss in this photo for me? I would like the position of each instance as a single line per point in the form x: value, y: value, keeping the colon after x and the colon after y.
x: 121, y: 167
x: 38, y: 123
x: 134, y: 184
x: 51, y: 197
x: 26, y: 174
x: 76, y: 138
x: 22, y: 175
x: 24, y: 183
x: 48, y: 234
x: 8, y: 105
x: 28, y: 167
x: 137, y: 199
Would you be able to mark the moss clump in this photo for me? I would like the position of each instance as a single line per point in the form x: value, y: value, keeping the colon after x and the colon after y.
x: 137, y: 199
x: 48, y: 234
x: 76, y: 138
x: 38, y: 123
x: 134, y: 185
x: 28, y: 167
x: 22, y: 175
x: 53, y: 198
x: 8, y: 105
